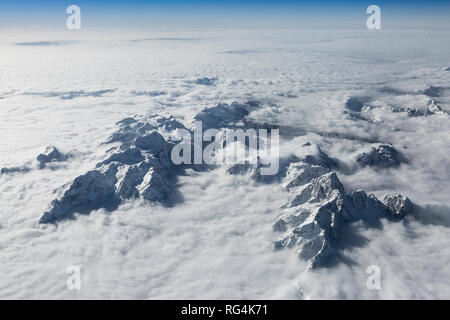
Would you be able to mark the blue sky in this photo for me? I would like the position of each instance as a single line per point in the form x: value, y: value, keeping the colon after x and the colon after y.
x: 227, y: 13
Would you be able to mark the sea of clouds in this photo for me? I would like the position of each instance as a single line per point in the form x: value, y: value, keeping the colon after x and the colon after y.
x: 69, y: 90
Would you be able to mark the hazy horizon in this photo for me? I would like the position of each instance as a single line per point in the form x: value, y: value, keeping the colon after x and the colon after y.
x: 227, y: 14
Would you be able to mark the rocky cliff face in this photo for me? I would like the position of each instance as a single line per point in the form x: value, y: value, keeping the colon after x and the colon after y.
x: 383, y: 156
x: 140, y: 167
x: 319, y: 206
x: 311, y: 222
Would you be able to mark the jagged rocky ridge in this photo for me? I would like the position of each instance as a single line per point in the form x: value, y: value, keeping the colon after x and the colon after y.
x: 140, y: 167
x: 360, y: 108
x: 51, y: 154
x: 316, y: 159
x: 430, y: 109
x: 383, y: 156
x: 319, y: 207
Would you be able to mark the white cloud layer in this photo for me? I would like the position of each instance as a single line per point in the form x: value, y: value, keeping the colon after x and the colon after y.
x: 218, y: 243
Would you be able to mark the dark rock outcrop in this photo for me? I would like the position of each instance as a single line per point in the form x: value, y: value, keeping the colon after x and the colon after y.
x: 140, y: 167
x: 206, y: 81
x: 314, y: 217
x: 383, y: 156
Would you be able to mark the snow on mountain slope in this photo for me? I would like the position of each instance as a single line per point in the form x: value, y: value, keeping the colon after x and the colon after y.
x: 93, y: 97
